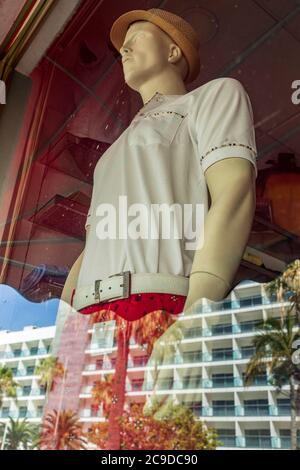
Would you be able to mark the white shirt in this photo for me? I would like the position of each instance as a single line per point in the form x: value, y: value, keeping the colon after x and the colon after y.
x: 161, y: 158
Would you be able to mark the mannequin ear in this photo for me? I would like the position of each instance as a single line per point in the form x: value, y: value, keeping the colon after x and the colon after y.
x: 175, y: 53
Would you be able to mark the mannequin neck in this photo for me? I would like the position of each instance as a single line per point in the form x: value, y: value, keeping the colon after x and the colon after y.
x: 165, y: 83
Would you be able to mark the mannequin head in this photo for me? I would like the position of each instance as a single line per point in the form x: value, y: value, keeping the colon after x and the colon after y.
x: 152, y: 61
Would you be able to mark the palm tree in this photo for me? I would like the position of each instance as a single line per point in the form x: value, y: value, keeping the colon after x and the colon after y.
x: 49, y: 370
x: 20, y: 435
x: 146, y: 330
x: 66, y: 435
x: 102, y: 393
x: 274, y: 346
x: 288, y: 285
x: 8, y: 386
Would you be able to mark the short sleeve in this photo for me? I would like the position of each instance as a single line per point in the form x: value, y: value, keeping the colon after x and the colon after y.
x: 222, y: 120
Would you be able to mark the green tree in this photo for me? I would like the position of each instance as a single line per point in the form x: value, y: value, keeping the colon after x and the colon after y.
x: 8, y: 386
x: 20, y: 435
x: 274, y: 346
x: 49, y: 370
x: 287, y: 286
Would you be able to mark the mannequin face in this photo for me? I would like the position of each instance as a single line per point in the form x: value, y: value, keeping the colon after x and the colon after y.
x: 147, y: 52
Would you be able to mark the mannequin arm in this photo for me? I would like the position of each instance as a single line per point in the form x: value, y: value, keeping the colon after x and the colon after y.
x: 71, y: 281
x: 231, y: 183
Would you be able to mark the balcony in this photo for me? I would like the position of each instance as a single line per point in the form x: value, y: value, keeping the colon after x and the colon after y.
x: 286, y: 442
x: 216, y: 307
x: 247, y: 352
x: 21, y: 415
x: 166, y: 384
x: 239, y: 411
x: 237, y: 304
x: 223, y: 354
x: 249, y: 326
x: 213, y: 356
x: 137, y: 362
x: 90, y: 367
x: 228, y: 381
x: 26, y: 353
x: 257, y: 410
x: 261, y: 442
x: 283, y: 410
x: 207, y: 383
x: 192, y: 382
x: 136, y: 385
x: 87, y: 390
x: 107, y: 365
x: 228, y: 410
x: 258, y: 380
x: 227, y: 441
x: 223, y: 330
x: 89, y: 413
x: 196, y: 332
x: 169, y: 384
x: 189, y: 357
x: 103, y: 344
x: 33, y: 392
x: 24, y: 372
x: 253, y: 442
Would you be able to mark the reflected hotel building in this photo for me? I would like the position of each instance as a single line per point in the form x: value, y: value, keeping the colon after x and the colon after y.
x: 206, y: 373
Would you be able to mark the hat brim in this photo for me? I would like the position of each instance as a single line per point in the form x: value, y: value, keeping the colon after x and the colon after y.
x: 120, y: 26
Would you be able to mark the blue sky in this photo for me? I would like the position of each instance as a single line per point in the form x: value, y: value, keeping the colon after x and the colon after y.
x: 17, y: 312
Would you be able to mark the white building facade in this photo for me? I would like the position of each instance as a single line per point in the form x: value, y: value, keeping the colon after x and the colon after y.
x: 206, y: 373
x: 22, y: 351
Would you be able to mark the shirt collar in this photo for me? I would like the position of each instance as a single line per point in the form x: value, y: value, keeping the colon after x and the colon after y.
x: 156, y: 100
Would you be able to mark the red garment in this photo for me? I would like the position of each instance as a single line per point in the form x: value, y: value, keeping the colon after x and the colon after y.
x: 132, y: 319
x: 138, y: 305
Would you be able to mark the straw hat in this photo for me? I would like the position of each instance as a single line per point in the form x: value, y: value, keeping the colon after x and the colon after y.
x: 182, y: 33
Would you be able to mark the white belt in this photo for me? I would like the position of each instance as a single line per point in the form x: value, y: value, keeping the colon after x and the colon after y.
x: 121, y: 285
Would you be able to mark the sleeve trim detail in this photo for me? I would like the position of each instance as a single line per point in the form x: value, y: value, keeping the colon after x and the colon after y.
x: 228, y: 145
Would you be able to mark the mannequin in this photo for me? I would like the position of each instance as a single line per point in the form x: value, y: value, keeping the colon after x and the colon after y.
x: 153, y: 63
x: 153, y: 157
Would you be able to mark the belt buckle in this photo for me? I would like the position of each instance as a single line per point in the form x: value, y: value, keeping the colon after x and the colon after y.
x: 97, y: 291
x: 126, y: 283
